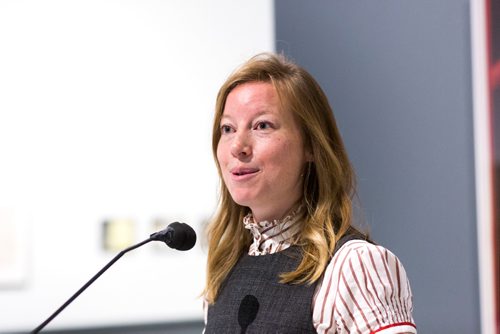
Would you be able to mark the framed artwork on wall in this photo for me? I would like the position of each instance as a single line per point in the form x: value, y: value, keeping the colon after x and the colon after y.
x: 485, y: 25
x: 14, y: 247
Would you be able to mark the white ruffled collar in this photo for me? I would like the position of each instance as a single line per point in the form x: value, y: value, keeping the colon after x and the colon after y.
x: 273, y: 236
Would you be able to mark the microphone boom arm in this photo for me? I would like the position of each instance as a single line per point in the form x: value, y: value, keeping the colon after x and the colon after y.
x: 83, y: 288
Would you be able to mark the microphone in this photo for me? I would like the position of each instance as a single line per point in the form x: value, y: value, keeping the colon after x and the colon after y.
x: 249, y: 307
x: 177, y: 235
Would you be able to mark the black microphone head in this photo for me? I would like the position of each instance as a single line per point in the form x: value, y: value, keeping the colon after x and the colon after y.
x: 249, y: 307
x: 177, y: 235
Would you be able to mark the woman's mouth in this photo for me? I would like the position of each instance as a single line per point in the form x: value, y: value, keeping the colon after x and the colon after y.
x: 240, y: 172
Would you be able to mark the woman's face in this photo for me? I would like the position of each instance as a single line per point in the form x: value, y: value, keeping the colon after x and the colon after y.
x: 261, y: 152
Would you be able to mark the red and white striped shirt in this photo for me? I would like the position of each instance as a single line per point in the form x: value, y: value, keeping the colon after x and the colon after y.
x: 364, y: 288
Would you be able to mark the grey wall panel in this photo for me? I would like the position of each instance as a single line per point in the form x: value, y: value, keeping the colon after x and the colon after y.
x: 398, y: 75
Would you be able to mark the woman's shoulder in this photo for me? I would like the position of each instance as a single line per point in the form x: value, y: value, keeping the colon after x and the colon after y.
x: 363, y: 247
x: 366, y: 284
x: 362, y: 254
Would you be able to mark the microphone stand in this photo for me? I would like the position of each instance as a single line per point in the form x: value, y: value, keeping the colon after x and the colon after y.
x: 96, y: 276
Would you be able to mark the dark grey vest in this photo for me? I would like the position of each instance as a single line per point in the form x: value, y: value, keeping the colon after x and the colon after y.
x: 252, y: 300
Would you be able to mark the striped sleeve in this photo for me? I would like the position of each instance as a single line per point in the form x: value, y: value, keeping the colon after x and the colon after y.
x: 364, y: 290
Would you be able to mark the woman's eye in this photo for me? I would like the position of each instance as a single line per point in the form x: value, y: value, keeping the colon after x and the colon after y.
x: 225, y: 129
x: 263, y: 126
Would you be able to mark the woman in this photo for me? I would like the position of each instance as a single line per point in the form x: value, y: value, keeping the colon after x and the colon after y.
x: 283, y: 256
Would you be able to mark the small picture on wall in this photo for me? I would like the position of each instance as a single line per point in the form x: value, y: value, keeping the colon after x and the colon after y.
x: 13, y: 249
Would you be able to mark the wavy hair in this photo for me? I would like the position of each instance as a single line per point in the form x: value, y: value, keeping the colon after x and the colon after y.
x: 328, y: 184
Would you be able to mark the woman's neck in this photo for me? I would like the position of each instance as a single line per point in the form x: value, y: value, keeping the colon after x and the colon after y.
x: 275, y: 215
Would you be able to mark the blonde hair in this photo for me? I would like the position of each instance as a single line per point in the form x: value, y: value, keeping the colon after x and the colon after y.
x: 328, y: 180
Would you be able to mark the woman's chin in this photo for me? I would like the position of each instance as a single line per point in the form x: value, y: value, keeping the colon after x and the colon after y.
x: 244, y: 200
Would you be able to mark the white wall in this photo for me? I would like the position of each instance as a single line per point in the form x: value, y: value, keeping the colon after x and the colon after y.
x: 105, y: 112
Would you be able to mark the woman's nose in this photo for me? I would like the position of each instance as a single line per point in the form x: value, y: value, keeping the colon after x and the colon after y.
x: 241, y: 146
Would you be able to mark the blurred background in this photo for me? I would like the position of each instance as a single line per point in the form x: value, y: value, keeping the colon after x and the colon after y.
x: 105, y: 119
